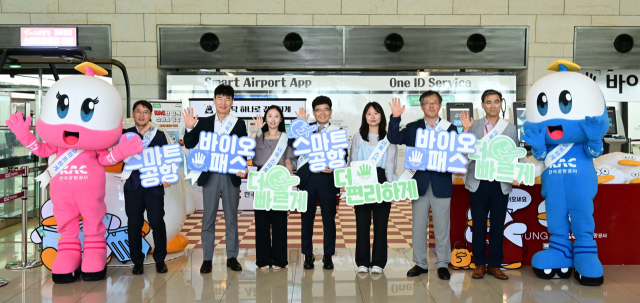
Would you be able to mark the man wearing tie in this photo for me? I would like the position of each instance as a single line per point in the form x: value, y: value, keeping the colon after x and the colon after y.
x: 319, y: 187
x: 215, y: 184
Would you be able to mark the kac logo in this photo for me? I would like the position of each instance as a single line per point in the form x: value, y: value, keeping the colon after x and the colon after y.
x: 565, y: 164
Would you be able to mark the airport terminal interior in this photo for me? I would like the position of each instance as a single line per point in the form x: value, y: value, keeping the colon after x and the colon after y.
x: 426, y: 61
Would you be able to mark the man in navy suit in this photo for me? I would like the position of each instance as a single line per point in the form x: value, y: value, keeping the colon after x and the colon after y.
x: 214, y: 184
x: 434, y: 188
x: 319, y: 187
x: 137, y: 199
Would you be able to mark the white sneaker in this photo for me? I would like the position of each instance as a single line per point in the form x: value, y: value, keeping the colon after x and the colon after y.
x: 376, y: 270
x: 363, y: 269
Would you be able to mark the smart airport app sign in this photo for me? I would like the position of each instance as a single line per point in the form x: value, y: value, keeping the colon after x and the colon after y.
x: 349, y: 92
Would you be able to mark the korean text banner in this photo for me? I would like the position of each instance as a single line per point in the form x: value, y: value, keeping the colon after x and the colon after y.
x: 440, y: 151
x: 221, y: 153
x: 273, y: 190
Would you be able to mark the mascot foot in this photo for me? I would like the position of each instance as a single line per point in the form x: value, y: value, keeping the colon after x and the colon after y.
x: 94, y: 276
x: 586, y: 281
x: 553, y: 273
x: 66, y: 278
x: 94, y: 258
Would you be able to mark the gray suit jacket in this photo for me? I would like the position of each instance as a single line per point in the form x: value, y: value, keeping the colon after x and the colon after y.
x: 471, y: 183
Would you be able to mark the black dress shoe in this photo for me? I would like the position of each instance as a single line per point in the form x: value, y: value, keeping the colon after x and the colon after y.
x: 328, y: 263
x: 233, y: 264
x: 206, y: 267
x: 138, y: 269
x: 416, y: 271
x: 161, y: 268
x: 443, y: 273
x: 308, y: 261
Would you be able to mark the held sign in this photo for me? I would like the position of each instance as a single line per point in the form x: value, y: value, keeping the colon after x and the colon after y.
x: 440, y: 151
x: 156, y: 164
x: 498, y: 160
x: 361, y: 183
x: 221, y: 153
x: 273, y: 190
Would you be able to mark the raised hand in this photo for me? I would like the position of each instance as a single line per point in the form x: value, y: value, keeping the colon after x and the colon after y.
x: 259, y: 121
x: 535, y: 138
x: 189, y: 119
x: 301, y: 114
x: 467, y: 121
x: 18, y: 125
x: 396, y: 110
x: 593, y: 128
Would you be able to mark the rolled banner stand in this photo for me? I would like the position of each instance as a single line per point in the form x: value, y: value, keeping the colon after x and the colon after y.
x: 24, y: 263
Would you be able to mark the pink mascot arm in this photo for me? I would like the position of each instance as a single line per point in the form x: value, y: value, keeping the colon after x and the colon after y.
x: 121, y: 151
x: 20, y: 127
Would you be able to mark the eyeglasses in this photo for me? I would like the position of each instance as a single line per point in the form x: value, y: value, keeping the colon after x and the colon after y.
x: 146, y: 112
x: 489, y: 103
x: 326, y: 110
x: 430, y: 103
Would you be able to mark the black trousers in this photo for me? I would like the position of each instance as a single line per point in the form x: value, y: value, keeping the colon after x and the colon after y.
x: 135, y: 203
x: 380, y: 212
x: 488, y: 198
x: 326, y: 193
x: 271, y: 238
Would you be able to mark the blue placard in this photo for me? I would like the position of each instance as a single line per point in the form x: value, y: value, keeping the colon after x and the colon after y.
x: 156, y: 164
x: 301, y: 128
x: 440, y: 151
x: 221, y: 153
x: 325, y: 150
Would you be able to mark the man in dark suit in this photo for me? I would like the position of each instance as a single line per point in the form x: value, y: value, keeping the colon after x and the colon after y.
x: 319, y: 187
x: 137, y: 199
x: 434, y: 188
x: 215, y: 184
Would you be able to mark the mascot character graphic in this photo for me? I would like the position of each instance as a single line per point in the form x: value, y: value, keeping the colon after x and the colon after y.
x: 81, y: 118
x: 566, y: 121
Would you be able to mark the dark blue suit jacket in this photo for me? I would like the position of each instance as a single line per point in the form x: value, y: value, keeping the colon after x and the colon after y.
x: 134, y: 180
x: 442, y: 183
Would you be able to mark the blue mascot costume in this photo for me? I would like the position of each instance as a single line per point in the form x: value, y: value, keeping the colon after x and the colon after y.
x: 566, y: 121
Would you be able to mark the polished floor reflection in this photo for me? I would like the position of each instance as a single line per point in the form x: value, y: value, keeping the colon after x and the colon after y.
x: 184, y: 283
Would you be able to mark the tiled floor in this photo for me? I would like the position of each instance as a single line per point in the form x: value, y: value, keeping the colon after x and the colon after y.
x: 184, y: 283
x: 398, y: 236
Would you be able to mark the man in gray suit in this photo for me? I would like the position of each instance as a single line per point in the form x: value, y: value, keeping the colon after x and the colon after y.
x: 488, y: 196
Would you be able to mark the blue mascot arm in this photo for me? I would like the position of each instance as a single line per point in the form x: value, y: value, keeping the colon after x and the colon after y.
x: 593, y: 149
x: 536, y: 138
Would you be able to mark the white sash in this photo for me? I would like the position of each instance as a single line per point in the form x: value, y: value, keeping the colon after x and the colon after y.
x: 556, y: 153
x: 443, y: 125
x: 276, y: 154
x: 227, y: 127
x: 496, y: 131
x: 148, y: 136
x: 379, y: 150
x: 56, y: 166
x: 305, y: 158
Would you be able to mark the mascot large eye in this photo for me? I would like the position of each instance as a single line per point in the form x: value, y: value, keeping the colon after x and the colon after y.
x: 565, y: 101
x: 63, y: 105
x: 543, y: 106
x: 604, y: 171
x: 86, y: 112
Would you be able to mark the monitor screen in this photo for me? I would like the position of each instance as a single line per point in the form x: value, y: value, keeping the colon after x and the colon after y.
x: 455, y: 113
x: 613, y: 125
x: 521, y: 117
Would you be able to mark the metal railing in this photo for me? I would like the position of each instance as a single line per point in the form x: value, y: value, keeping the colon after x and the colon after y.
x: 24, y: 262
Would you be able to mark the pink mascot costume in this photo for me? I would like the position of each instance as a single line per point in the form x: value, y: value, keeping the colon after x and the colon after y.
x: 81, y: 118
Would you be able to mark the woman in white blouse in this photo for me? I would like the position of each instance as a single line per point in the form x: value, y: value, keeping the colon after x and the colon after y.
x: 373, y: 130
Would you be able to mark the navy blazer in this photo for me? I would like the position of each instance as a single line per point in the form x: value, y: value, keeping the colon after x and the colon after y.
x: 134, y: 180
x: 192, y: 137
x: 442, y: 183
x: 323, y: 180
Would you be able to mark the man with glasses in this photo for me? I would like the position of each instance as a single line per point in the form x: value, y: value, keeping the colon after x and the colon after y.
x: 319, y: 187
x: 434, y: 188
x: 488, y: 197
x: 137, y: 199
